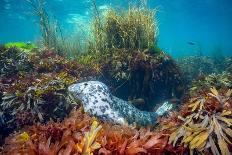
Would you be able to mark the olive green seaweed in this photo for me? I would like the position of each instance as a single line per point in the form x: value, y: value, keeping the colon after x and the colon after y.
x: 132, y: 29
x: 52, y: 35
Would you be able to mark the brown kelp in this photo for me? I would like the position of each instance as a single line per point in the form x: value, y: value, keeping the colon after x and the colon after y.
x: 154, y: 77
x: 205, y: 125
x: 204, y: 83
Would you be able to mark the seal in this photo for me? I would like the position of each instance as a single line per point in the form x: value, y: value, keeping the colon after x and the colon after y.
x: 99, y: 102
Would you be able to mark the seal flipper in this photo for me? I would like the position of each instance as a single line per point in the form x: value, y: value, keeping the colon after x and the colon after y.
x: 164, y: 108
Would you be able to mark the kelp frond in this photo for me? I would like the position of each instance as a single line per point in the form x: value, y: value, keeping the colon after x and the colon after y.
x: 88, y: 143
x: 208, y: 126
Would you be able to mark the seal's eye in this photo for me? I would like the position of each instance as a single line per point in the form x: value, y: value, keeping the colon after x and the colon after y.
x: 85, y: 84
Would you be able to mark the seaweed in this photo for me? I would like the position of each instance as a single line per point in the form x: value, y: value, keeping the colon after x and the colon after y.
x: 135, y: 28
x: 49, y: 29
x: 88, y: 144
x: 153, y: 77
x: 207, y: 127
x: 196, y: 66
x: 52, y: 36
x: 81, y: 134
x: 13, y: 61
x: 22, y: 45
x: 203, y: 125
x: 33, y: 87
x: 219, y: 81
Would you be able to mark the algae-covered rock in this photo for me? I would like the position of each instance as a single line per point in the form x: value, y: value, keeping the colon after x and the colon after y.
x: 153, y: 77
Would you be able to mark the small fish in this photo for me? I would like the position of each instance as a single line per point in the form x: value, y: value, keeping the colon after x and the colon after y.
x: 174, y: 100
x: 138, y: 101
x: 191, y: 43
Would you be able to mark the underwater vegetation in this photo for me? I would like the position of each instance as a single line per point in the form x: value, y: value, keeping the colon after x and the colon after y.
x: 38, y: 116
x: 123, y: 50
x: 206, y: 125
x: 153, y: 77
x: 49, y: 29
x: 193, y: 67
x: 203, y: 125
x: 52, y: 35
x: 35, y: 101
x: 219, y: 81
x: 81, y: 134
x: 134, y: 28
x: 21, y: 45
x: 34, y: 86
x: 13, y: 61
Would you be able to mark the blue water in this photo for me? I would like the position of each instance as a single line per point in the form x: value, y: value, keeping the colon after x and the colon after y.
x: 207, y: 23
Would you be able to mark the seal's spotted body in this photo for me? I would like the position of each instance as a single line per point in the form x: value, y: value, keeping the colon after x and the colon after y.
x: 98, y: 101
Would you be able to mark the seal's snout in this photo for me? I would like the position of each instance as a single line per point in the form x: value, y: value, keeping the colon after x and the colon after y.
x: 78, y: 88
x: 74, y: 88
x: 71, y: 88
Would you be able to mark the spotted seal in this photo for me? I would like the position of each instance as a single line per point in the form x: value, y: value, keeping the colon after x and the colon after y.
x: 99, y: 102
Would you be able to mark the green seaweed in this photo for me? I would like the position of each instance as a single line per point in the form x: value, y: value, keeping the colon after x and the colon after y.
x: 21, y: 45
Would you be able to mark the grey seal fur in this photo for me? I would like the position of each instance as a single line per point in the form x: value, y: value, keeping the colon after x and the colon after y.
x: 99, y: 102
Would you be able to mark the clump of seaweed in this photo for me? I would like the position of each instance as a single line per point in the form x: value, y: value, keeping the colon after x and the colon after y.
x: 13, y: 61
x: 51, y: 35
x: 21, y: 45
x: 132, y: 29
x: 88, y: 143
x: 206, y: 126
x: 204, y: 83
x: 140, y: 25
x: 37, y: 91
x: 196, y: 66
x: 228, y: 64
x: 42, y: 96
x: 81, y: 134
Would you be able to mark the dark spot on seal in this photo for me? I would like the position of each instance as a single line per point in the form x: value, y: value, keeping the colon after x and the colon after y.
x: 104, y: 99
x: 103, y: 109
x: 91, y: 111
